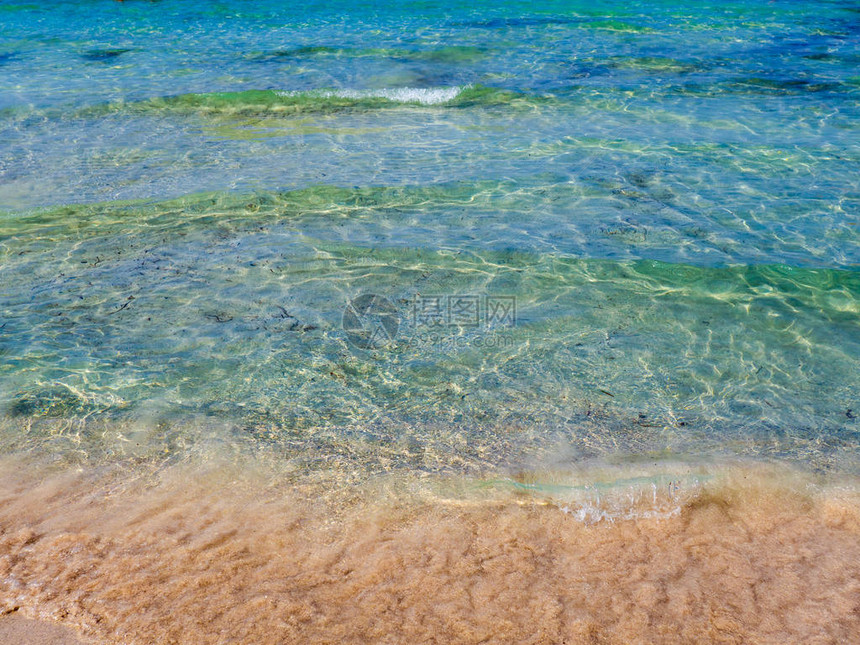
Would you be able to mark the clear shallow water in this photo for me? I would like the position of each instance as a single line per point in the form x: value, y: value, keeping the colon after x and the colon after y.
x: 193, y: 193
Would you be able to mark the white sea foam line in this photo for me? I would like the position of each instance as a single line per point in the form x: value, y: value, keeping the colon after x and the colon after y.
x: 422, y: 95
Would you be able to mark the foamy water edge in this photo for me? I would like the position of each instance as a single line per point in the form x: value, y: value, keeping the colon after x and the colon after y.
x: 423, y: 96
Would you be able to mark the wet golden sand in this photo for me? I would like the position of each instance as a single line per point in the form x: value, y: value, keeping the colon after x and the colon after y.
x: 15, y: 630
x: 218, y: 556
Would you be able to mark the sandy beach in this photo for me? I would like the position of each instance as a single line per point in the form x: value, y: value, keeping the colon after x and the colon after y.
x: 17, y: 630
x: 217, y: 556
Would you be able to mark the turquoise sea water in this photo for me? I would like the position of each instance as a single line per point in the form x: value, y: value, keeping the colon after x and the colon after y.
x: 604, y: 231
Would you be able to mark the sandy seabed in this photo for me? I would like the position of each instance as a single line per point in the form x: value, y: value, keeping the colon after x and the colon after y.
x: 215, y: 555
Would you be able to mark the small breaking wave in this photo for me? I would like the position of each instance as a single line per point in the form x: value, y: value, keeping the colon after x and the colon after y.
x: 658, y: 496
x: 424, y: 96
x: 251, y: 103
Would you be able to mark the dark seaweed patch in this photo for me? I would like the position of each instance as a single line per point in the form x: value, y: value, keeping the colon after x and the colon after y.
x: 783, y: 86
x: 758, y: 86
x: 445, y: 55
x: 295, y: 52
x: 103, y: 54
x: 50, y: 402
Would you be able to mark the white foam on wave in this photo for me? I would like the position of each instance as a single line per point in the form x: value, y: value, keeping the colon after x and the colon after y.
x: 631, y: 502
x: 421, y: 95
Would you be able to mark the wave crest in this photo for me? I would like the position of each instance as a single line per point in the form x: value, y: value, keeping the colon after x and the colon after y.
x: 424, y: 96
